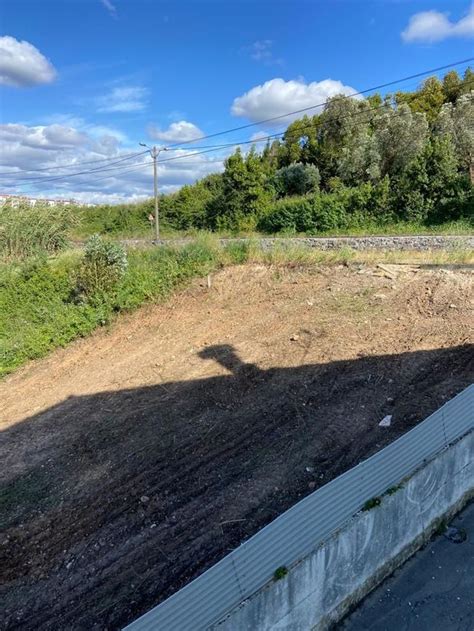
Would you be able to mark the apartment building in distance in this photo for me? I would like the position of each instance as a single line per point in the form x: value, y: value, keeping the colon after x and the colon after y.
x: 15, y: 200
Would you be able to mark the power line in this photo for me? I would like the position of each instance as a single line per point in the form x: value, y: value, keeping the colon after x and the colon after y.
x: 311, y: 107
x: 212, y: 148
x: 71, y: 165
x: 34, y: 180
x: 75, y: 164
x: 125, y: 170
x: 126, y: 156
x: 122, y: 170
x: 276, y: 135
x: 107, y: 167
x: 216, y: 147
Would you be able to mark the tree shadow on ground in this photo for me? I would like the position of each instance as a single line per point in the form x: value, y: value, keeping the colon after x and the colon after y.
x: 112, y: 501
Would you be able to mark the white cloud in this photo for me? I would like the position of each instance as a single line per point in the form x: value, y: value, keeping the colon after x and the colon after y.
x: 92, y: 129
x: 123, y: 99
x: 433, y: 26
x: 73, y: 141
x: 110, y: 7
x: 180, y: 131
x: 51, y: 137
x: 22, y: 65
x: 277, y: 97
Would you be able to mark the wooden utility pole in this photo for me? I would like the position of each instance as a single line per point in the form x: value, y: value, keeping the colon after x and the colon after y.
x: 154, y: 154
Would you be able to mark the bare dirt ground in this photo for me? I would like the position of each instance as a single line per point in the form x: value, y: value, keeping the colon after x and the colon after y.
x: 135, y: 459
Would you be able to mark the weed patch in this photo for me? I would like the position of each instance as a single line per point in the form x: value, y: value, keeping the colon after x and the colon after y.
x: 280, y: 573
x: 374, y: 502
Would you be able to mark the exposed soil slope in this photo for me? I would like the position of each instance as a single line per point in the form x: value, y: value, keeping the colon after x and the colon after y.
x: 133, y: 460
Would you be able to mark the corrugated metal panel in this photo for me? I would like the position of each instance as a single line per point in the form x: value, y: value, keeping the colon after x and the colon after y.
x: 299, y: 530
x: 190, y: 607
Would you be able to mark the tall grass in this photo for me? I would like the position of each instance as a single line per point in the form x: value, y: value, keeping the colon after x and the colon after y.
x: 27, y: 231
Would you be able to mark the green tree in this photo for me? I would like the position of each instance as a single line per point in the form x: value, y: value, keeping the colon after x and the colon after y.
x: 452, y: 86
x: 299, y: 141
x: 361, y: 160
x: 400, y: 136
x: 245, y: 195
x: 345, y: 125
x: 456, y: 121
x: 429, y: 182
x: 296, y: 179
x: 375, y: 100
x: 270, y: 155
x: 189, y: 207
x: 467, y: 81
x: 427, y: 100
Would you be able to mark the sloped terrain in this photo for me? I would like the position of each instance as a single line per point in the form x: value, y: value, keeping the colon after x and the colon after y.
x: 135, y: 459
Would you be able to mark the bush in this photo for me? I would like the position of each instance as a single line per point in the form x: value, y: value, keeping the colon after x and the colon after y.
x: 291, y: 214
x: 36, y: 313
x: 297, y: 179
x: 40, y: 309
x: 120, y: 220
x: 102, y: 268
x: 330, y: 211
x: 460, y: 207
x: 190, y: 206
x: 340, y: 209
x: 33, y: 230
x: 310, y: 214
x: 431, y: 186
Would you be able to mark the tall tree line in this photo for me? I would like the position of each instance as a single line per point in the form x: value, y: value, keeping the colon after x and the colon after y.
x: 406, y: 156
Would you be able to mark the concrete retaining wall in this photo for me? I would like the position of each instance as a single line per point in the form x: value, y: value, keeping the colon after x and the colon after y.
x: 322, y: 587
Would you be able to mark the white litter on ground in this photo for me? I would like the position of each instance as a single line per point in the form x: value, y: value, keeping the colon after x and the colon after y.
x: 386, y: 421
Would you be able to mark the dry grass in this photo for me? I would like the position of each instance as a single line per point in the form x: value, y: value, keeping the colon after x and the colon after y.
x: 282, y: 255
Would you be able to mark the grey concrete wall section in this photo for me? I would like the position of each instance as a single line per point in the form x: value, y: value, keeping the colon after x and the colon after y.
x: 321, y: 588
x: 432, y: 590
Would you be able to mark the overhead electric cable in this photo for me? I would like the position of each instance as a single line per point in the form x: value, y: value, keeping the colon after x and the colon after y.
x: 125, y: 169
x: 127, y: 156
x: 311, y: 107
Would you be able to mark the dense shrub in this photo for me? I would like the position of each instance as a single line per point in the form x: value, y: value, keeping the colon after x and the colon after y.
x: 191, y: 206
x: 370, y: 202
x: 430, y: 185
x: 330, y: 211
x: 119, y: 220
x: 103, y: 266
x: 296, y: 179
x: 340, y: 209
x: 459, y: 207
x: 291, y: 214
x: 36, y: 312
x: 31, y: 230
x: 245, y: 196
x: 40, y: 309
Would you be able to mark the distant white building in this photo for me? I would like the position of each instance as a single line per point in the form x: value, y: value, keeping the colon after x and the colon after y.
x: 15, y: 200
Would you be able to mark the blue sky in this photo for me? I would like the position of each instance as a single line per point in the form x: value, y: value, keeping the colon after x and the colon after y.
x: 89, y: 79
